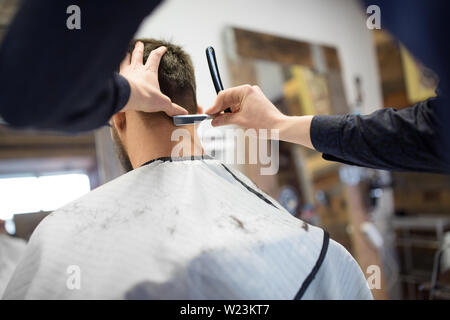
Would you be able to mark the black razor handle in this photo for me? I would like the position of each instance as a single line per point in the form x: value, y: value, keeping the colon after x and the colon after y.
x: 214, y: 70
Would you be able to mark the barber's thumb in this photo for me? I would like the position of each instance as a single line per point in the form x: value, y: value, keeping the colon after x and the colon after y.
x: 176, y: 110
x: 224, y: 119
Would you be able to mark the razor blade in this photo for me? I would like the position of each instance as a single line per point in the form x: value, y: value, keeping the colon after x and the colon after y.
x: 184, y: 120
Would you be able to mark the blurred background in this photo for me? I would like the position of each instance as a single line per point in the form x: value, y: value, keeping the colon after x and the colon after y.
x: 308, y: 57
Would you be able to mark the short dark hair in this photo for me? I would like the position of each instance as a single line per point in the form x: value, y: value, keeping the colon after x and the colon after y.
x: 175, y: 74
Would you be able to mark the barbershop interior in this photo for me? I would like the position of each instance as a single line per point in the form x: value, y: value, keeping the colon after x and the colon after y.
x: 309, y: 58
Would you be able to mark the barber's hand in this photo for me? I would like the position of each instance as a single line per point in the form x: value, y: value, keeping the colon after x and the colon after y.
x: 250, y: 109
x: 145, y: 93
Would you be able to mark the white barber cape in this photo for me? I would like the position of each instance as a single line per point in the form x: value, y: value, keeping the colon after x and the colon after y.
x: 184, y: 229
x: 11, y: 250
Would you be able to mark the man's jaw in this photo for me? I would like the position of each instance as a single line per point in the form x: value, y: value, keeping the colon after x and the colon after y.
x: 120, y: 151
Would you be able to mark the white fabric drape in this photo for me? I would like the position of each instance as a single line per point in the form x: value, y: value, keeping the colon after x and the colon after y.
x: 180, y: 230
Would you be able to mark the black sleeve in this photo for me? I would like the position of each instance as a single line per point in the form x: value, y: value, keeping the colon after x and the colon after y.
x: 55, y: 78
x: 421, y: 26
x: 405, y: 140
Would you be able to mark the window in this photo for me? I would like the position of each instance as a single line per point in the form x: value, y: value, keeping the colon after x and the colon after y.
x: 26, y: 194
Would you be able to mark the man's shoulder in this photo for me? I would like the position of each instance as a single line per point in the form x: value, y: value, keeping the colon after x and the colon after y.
x: 343, y: 271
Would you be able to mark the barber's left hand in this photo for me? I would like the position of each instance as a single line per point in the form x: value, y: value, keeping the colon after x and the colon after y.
x: 145, y: 93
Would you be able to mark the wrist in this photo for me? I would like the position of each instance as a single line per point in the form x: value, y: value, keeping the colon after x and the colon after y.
x: 279, y: 122
x: 284, y: 125
x: 296, y: 129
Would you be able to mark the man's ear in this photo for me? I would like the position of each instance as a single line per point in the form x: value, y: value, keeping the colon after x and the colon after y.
x: 119, y: 121
x: 199, y: 109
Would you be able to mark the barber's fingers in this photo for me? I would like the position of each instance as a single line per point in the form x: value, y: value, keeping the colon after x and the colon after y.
x: 224, y: 119
x: 175, y: 110
x: 138, y: 54
x: 166, y: 105
x: 232, y: 97
x: 125, y: 62
x: 152, y: 63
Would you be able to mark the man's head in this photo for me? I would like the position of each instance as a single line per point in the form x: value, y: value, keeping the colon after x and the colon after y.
x: 177, y: 81
x: 175, y: 74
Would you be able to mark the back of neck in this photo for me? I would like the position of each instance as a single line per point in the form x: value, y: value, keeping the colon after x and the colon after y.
x: 163, y: 141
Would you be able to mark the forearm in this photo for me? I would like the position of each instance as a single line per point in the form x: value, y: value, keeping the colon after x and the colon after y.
x: 405, y: 140
x: 295, y: 130
x: 55, y: 78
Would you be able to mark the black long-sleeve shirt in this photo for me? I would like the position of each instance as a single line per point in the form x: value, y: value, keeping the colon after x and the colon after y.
x: 406, y: 140
x: 55, y: 78
x: 412, y: 139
